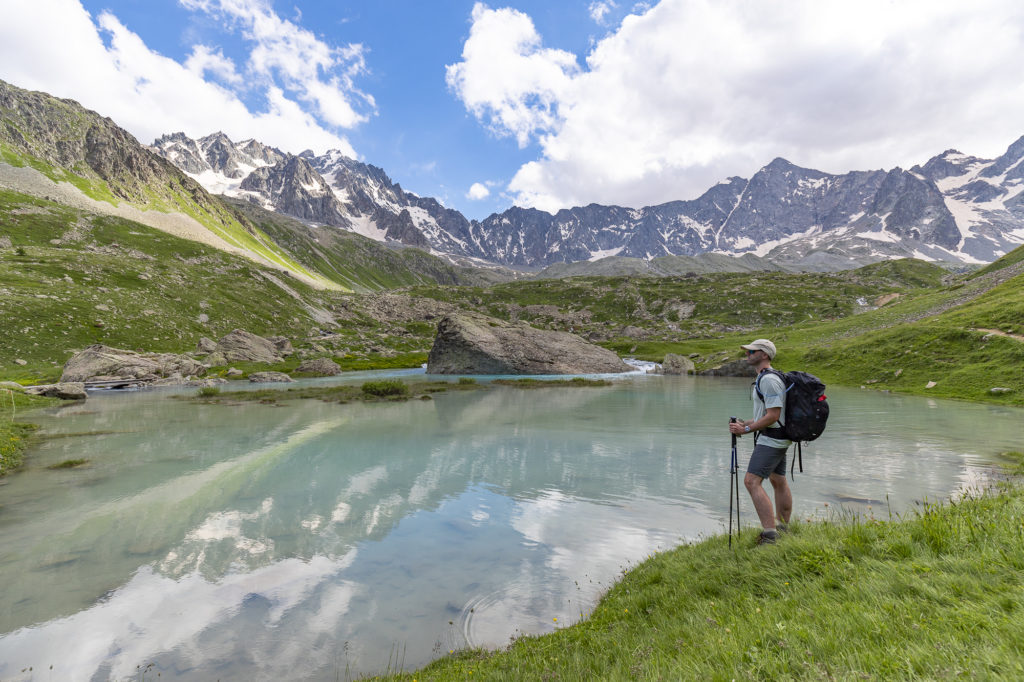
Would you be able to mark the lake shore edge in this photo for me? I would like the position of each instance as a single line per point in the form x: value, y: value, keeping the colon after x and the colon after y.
x: 937, y: 593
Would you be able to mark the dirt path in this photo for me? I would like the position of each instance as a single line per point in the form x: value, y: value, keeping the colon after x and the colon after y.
x: 1017, y: 337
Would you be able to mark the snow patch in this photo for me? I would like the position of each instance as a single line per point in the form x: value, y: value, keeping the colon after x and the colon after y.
x: 605, y: 253
x: 365, y: 226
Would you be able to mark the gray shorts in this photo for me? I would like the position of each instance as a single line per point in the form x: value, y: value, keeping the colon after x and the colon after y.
x: 766, y: 460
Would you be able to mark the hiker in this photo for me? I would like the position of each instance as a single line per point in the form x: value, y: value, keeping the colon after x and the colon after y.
x: 768, y: 460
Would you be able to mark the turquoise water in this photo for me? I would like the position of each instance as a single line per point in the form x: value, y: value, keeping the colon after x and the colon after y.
x: 320, y: 541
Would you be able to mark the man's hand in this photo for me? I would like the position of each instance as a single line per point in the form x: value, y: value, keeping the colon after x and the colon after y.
x: 738, y: 428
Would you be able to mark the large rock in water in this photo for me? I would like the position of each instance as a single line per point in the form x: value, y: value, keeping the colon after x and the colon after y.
x: 64, y: 391
x: 103, y: 363
x: 474, y: 344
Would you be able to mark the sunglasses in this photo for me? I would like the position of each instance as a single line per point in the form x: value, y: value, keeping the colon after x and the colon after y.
x: 751, y: 352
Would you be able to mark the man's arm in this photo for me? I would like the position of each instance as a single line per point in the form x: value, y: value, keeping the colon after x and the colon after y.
x: 771, y: 416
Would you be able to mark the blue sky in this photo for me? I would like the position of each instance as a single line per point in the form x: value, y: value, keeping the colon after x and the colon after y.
x: 545, y: 104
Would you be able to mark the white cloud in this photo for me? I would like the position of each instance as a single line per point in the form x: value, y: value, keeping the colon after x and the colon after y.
x: 599, y: 10
x: 205, y: 60
x: 693, y: 91
x: 295, y: 58
x: 106, y: 67
x: 478, y: 191
x: 507, y: 79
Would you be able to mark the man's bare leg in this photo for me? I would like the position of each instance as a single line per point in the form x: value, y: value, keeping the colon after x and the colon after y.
x: 762, y: 503
x: 783, y: 497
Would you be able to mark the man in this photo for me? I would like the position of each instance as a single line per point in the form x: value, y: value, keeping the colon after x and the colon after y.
x: 768, y: 459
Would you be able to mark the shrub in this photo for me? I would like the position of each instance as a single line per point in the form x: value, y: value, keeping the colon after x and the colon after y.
x: 209, y: 391
x: 386, y: 387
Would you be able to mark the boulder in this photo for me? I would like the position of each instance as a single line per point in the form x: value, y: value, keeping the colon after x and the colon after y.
x: 270, y: 377
x: 12, y: 386
x: 676, y: 364
x: 321, y: 367
x: 103, y: 363
x: 206, y: 345
x: 71, y: 390
x: 736, y: 368
x: 243, y: 346
x: 475, y: 344
x: 283, y: 345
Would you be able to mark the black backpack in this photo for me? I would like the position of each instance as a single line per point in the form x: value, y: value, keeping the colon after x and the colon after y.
x: 806, y: 410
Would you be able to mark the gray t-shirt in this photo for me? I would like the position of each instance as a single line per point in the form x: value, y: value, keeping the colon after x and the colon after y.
x: 774, y: 392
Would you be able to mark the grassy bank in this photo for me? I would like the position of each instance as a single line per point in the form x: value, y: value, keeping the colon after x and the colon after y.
x: 14, y: 433
x: 938, y: 594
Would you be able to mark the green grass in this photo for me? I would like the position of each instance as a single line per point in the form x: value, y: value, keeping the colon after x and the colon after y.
x: 938, y: 594
x: 931, y: 334
x: 87, y: 279
x: 549, y: 383
x: 670, y: 308
x: 385, y: 387
x: 16, y: 435
x: 344, y: 393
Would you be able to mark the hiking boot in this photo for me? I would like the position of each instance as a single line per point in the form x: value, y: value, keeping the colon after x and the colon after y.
x: 767, y: 537
x: 781, y: 528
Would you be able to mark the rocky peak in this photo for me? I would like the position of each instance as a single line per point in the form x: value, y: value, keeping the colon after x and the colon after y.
x: 1010, y: 162
x: 949, y: 163
x: 291, y: 186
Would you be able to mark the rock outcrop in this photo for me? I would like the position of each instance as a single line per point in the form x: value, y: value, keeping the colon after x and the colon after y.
x: 72, y: 390
x: 736, y: 368
x: 103, y: 363
x: 243, y: 346
x: 474, y: 344
x: 321, y: 367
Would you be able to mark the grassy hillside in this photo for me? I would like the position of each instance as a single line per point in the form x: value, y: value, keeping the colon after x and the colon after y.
x: 69, y: 279
x: 359, y: 263
x: 68, y: 143
x: 667, y: 309
x: 967, y: 336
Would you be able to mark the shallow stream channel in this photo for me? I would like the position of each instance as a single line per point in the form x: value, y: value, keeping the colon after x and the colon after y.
x: 306, y: 540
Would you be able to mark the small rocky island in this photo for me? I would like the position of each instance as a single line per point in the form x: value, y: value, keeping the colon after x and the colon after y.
x: 475, y: 344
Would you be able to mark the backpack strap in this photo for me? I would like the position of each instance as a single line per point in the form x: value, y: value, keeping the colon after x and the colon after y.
x: 800, y: 456
x: 777, y: 432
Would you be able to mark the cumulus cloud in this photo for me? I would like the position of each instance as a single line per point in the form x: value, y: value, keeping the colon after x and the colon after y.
x: 478, y: 191
x: 295, y: 58
x: 305, y: 87
x: 507, y: 79
x: 692, y: 91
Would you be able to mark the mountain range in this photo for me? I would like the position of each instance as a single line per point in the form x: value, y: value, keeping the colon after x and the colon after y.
x: 954, y: 208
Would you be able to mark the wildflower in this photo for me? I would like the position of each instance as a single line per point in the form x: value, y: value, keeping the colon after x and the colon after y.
x: 555, y: 619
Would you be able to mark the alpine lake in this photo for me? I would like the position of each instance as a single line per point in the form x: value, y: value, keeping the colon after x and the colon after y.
x: 311, y: 540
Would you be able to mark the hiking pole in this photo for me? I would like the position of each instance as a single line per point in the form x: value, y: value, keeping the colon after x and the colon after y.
x: 733, y: 486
